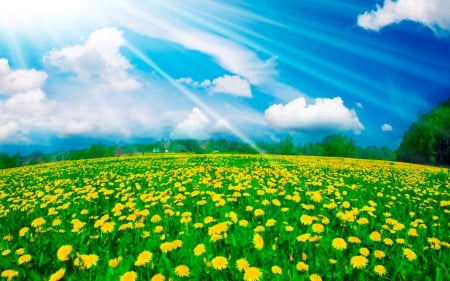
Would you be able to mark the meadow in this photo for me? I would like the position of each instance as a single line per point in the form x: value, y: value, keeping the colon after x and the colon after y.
x: 224, y: 217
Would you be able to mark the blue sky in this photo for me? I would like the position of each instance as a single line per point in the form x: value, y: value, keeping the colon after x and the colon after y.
x: 75, y: 72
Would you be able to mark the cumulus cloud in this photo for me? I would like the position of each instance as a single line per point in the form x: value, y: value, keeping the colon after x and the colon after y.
x: 97, y: 60
x: 193, y: 127
x: 227, y: 84
x: 434, y: 14
x: 12, y: 81
x: 222, y: 126
x: 323, y: 113
x: 386, y: 127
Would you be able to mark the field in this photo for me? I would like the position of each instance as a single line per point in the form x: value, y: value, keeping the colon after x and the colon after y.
x: 224, y: 217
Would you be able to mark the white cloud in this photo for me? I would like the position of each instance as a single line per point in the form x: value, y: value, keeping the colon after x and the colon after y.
x: 324, y: 113
x: 12, y: 81
x: 432, y: 13
x: 193, y: 127
x: 222, y: 126
x: 359, y: 105
x: 97, y: 60
x: 8, y: 130
x: 76, y: 127
x: 386, y: 127
x: 228, y: 84
x: 233, y: 85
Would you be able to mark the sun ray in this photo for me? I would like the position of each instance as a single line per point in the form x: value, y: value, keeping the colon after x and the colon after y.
x: 191, y: 96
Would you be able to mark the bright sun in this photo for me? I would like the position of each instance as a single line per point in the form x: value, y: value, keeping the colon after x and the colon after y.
x: 19, y: 14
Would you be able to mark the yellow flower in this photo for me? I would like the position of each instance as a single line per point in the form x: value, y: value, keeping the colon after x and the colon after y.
x: 158, y: 277
x: 409, y: 254
x: 315, y: 277
x: 358, y: 262
x: 243, y: 223
x: 88, y: 261
x: 23, y: 231
x: 143, y: 258
x: 400, y: 241
x: 354, y: 240
x: 64, y: 252
x: 277, y: 270
x: 8, y: 238
x: 289, y: 228
x: 219, y: 263
x: 20, y: 251
x: 115, y: 262
x: 301, y: 266
x: 379, y: 270
x: 242, y: 264
x: 58, y: 275
x: 375, y: 236
x: 303, y: 237
x: 258, y: 241
x: 38, y: 222
x: 413, y: 232
x: 199, y: 250
x: 388, y: 241
x: 182, y: 271
x: 24, y: 259
x: 318, y: 228
x: 306, y: 220
x: 258, y: 212
x: 270, y: 222
x: 332, y: 261
x: 6, y: 252
x: 364, y: 251
x: 108, y: 227
x: 379, y: 254
x: 339, y: 244
x: 128, y: 276
x: 9, y: 274
x: 252, y: 274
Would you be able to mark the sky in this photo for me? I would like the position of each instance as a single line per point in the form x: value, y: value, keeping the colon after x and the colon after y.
x: 74, y: 73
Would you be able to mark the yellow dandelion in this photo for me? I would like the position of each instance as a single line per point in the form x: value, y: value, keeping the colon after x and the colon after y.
x: 306, y: 220
x: 409, y: 254
x: 129, y: 276
x: 64, y: 252
x: 388, y: 241
x: 58, y: 275
x: 20, y: 251
x: 6, y: 252
x: 400, y: 241
x: 252, y: 274
x: 143, y: 258
x: 301, y: 266
x: 115, y: 262
x: 258, y: 241
x: 375, y: 236
x: 243, y: 223
x: 24, y: 259
x: 38, y: 222
x: 303, y: 237
x: 364, y: 251
x: 108, y: 227
x: 9, y: 274
x: 379, y: 254
x: 413, y: 232
x: 182, y: 271
x: 318, y: 228
x: 315, y: 277
x: 23, y: 231
x: 270, y: 222
x: 379, y: 270
x: 242, y: 264
x: 277, y: 270
x: 332, y: 261
x: 358, y: 262
x: 158, y: 277
x: 354, y: 240
x: 199, y: 250
x: 258, y: 212
x: 339, y: 244
x: 219, y: 263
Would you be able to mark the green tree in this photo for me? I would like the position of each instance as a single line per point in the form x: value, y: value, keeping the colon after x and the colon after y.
x: 338, y: 145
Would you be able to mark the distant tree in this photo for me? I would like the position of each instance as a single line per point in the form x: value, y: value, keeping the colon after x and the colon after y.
x: 428, y: 139
x: 338, y: 145
x: 287, y: 145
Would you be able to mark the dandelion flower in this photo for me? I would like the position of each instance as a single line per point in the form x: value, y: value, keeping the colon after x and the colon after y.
x: 258, y: 241
x: 339, y: 244
x: 375, y: 236
x: 24, y: 259
x: 23, y: 231
x: 252, y: 274
x: 199, y: 250
x: 388, y: 241
x: 379, y: 270
x: 114, y: 262
x: 409, y: 254
x: 358, y: 262
x: 242, y: 264
x: 143, y: 258
x: 270, y: 222
x: 182, y: 271
x: 379, y: 254
x: 38, y: 222
x: 301, y: 266
x: 277, y: 270
x: 158, y: 277
x: 219, y: 263
x: 303, y: 237
x: 58, y: 275
x: 354, y: 240
x: 364, y: 251
x: 107, y: 227
x: 9, y: 274
x: 20, y: 251
x: 6, y: 252
x: 315, y: 277
x: 129, y: 276
x: 318, y: 228
x: 64, y: 252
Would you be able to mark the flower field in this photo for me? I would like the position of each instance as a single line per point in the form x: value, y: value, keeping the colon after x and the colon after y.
x: 224, y: 217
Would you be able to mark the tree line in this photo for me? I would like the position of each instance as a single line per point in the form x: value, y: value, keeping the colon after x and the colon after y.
x: 332, y: 145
